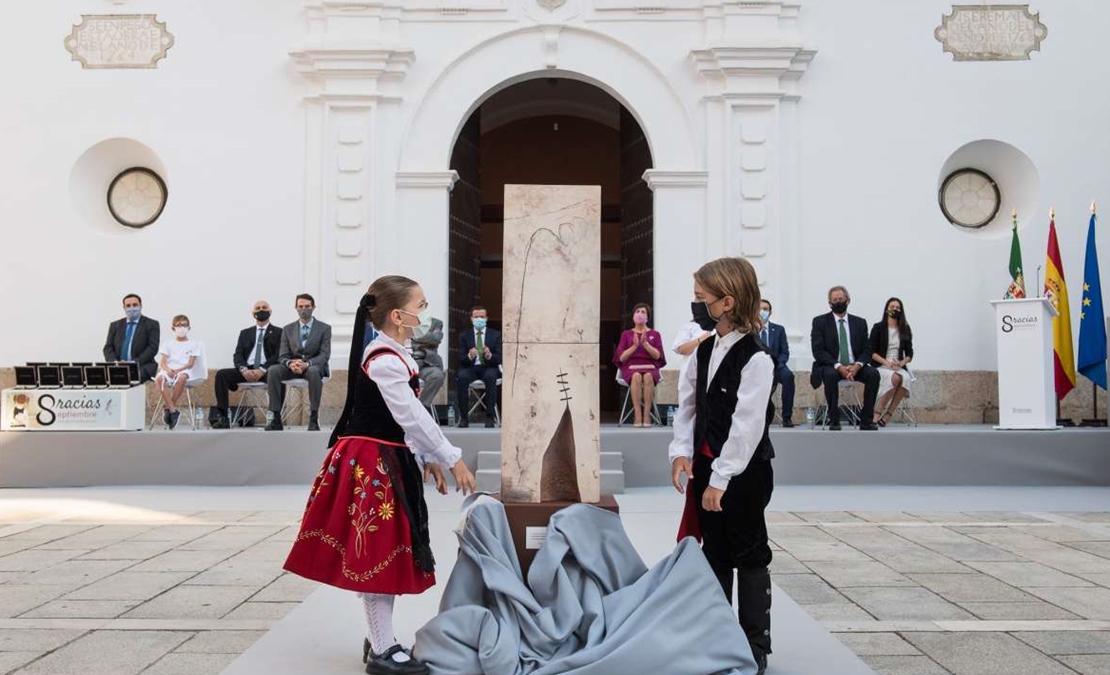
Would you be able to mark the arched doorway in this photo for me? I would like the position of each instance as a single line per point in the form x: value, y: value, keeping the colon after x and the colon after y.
x: 553, y: 131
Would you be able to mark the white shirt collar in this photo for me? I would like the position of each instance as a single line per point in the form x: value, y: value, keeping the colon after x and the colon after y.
x: 726, y: 341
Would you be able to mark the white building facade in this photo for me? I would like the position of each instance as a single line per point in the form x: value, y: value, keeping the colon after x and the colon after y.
x: 306, y: 147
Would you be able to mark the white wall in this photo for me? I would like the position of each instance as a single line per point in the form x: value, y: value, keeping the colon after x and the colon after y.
x: 223, y: 112
x: 881, y: 111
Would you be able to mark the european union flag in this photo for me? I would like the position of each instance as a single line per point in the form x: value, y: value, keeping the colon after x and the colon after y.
x: 1092, y: 320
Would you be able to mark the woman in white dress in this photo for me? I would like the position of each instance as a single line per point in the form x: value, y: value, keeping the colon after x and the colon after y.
x: 892, y: 351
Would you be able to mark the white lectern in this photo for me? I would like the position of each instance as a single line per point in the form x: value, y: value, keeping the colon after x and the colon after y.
x: 1026, y: 375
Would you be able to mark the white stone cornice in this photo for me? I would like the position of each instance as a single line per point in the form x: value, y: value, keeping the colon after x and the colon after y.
x: 658, y: 178
x: 427, y: 179
x: 755, y: 59
x: 354, y: 61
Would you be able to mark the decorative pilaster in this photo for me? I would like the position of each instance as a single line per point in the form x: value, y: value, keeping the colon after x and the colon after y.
x: 352, y: 67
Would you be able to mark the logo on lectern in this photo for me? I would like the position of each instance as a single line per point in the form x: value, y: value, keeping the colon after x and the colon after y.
x: 1011, y: 323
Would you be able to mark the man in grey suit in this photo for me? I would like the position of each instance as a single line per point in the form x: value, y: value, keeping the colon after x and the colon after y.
x: 305, y: 351
x: 425, y: 352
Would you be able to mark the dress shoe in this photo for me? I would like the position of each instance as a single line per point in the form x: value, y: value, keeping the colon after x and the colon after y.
x: 275, y: 424
x: 869, y: 426
x: 383, y: 664
x: 221, y: 422
x: 834, y: 426
x: 313, y: 422
x: 788, y: 423
x: 490, y: 424
x: 464, y: 424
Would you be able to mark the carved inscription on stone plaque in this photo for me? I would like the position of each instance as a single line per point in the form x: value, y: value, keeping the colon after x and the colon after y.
x: 119, y: 41
x: 991, y: 32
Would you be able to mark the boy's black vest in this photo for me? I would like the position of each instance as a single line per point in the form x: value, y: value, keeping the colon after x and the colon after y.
x: 717, y: 402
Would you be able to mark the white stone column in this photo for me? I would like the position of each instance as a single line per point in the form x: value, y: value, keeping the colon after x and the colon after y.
x: 680, y: 245
x: 352, y: 69
x: 423, y: 209
x: 750, y: 73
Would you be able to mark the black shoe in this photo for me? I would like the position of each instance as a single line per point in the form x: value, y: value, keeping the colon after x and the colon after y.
x: 383, y: 664
x: 787, y: 423
x: 174, y: 416
x: 167, y: 417
x: 275, y: 424
x: 868, y: 426
x: 313, y: 422
x: 834, y: 426
x: 490, y: 424
x: 221, y: 422
x: 464, y: 424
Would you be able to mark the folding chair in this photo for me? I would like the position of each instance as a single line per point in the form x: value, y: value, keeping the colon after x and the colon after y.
x: 252, y: 395
x: 628, y: 410
x: 853, y: 413
x: 198, y: 375
x: 297, y: 409
x: 474, y: 393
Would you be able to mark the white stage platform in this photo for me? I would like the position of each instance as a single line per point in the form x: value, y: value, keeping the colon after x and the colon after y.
x: 922, y: 456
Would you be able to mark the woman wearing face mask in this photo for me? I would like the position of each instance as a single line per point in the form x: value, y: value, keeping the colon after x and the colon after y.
x: 640, y: 356
x: 892, y: 351
x: 176, y: 358
x: 365, y: 527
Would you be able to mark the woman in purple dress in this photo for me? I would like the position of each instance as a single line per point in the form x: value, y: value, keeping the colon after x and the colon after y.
x: 640, y: 356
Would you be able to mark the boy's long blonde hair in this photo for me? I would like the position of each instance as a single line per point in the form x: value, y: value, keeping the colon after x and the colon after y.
x: 734, y: 277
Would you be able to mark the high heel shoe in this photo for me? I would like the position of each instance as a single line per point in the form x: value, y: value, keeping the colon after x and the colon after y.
x: 883, y: 418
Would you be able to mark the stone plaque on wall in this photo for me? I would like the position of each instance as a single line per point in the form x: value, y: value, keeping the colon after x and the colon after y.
x: 119, y: 41
x: 991, y: 32
x: 550, y: 440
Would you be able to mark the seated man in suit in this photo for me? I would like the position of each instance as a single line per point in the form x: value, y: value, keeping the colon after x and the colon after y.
x: 258, y: 349
x: 134, y: 338
x: 305, y: 351
x: 479, y: 359
x: 841, y: 351
x: 425, y: 351
x: 773, y: 337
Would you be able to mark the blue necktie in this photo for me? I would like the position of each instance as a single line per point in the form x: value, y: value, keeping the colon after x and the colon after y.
x: 126, y: 355
x: 304, y: 335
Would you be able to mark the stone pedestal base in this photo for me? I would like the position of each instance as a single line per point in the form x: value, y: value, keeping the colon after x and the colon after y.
x: 528, y: 516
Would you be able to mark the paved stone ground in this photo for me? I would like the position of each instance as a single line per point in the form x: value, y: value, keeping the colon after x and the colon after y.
x: 128, y: 590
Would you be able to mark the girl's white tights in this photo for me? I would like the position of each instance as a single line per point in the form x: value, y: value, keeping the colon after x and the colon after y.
x: 379, y: 623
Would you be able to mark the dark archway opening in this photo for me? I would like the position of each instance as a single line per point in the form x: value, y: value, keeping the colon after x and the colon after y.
x: 552, y: 131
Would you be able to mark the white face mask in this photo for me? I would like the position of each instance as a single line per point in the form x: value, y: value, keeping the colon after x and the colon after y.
x: 181, y: 331
x: 421, y: 329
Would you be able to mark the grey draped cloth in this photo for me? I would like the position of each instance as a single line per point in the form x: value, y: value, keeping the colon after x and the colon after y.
x: 591, y: 606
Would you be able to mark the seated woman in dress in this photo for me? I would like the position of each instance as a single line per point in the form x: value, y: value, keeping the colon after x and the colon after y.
x: 176, y: 359
x: 892, y: 351
x: 640, y: 356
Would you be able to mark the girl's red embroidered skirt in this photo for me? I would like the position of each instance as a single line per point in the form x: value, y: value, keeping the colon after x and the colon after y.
x: 356, y: 533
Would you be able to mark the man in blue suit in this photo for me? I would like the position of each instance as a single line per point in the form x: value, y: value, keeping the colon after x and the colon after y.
x: 774, y: 337
x: 479, y: 359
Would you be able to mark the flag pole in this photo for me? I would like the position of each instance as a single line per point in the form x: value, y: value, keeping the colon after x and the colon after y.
x: 1095, y: 421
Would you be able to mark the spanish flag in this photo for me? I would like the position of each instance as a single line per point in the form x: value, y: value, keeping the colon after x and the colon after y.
x: 1056, y: 290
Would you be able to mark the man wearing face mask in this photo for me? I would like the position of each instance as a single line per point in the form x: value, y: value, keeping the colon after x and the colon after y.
x: 841, y: 351
x: 133, y: 338
x: 479, y: 359
x: 258, y: 348
x: 773, y: 336
x: 305, y: 351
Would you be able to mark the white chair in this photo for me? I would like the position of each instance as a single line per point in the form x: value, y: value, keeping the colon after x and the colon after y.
x: 628, y: 410
x: 297, y: 409
x: 252, y: 395
x: 853, y: 416
x: 198, y: 374
x: 474, y: 393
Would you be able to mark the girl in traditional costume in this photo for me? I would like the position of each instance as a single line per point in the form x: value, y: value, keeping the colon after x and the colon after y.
x: 365, y: 527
